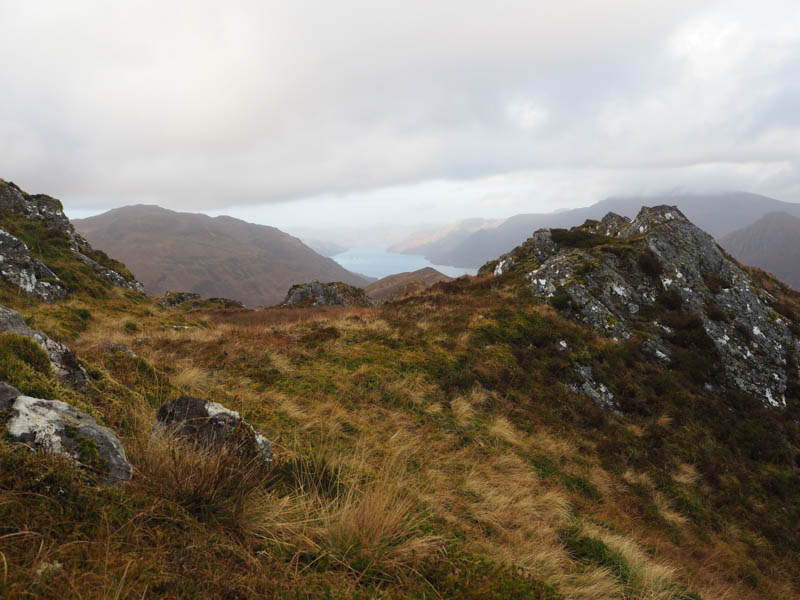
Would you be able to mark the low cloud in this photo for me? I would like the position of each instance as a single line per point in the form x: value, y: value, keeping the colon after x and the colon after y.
x: 209, y: 106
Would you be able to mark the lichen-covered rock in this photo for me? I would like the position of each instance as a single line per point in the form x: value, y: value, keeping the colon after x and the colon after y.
x: 30, y: 275
x: 644, y: 276
x: 111, y: 275
x: 210, y: 424
x: 63, y: 360
x: 36, y: 207
x: 46, y: 210
x: 327, y: 294
x: 59, y: 428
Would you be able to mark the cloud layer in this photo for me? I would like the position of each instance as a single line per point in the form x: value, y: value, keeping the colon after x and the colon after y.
x: 519, y: 105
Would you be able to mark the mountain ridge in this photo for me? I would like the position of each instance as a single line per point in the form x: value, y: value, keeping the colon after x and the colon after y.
x: 215, y: 256
x: 718, y: 214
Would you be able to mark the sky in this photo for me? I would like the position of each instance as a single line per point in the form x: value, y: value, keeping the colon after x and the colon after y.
x: 314, y: 115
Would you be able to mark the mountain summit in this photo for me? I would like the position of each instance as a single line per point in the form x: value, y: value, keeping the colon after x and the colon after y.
x: 663, y: 279
x: 214, y: 256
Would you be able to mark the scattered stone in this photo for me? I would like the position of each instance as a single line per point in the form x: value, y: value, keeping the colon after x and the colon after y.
x: 110, y: 275
x: 114, y: 347
x: 211, y: 424
x: 59, y: 428
x: 589, y: 387
x: 327, y: 294
x: 63, y: 360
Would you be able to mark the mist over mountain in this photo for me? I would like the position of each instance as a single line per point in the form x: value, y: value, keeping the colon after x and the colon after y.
x: 719, y: 214
x: 219, y: 256
x: 772, y: 243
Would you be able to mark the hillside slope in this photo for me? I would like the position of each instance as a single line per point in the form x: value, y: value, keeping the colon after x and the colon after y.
x: 578, y: 422
x: 719, y: 214
x: 402, y: 284
x: 772, y: 243
x: 219, y: 256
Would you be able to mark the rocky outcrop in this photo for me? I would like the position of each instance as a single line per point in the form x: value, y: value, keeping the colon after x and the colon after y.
x: 63, y: 360
x: 176, y: 298
x: 59, y: 428
x: 31, y: 275
x: 194, y: 300
x: 212, y: 425
x: 661, y: 277
x: 327, y: 294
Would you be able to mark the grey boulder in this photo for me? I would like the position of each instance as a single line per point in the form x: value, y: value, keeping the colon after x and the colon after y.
x: 210, y: 424
x: 59, y: 428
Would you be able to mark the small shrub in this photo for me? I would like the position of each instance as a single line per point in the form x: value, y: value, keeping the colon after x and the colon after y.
x: 785, y: 309
x: 463, y: 577
x: 596, y: 551
x: 577, y: 238
x: 561, y: 300
x: 716, y: 313
x: 670, y: 300
x: 744, y: 330
x: 26, y: 366
x: 583, y: 486
x: 130, y: 327
x: 649, y: 263
x: 715, y: 283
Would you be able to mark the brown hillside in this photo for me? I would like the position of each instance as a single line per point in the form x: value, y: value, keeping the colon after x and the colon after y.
x: 405, y: 283
x: 219, y: 256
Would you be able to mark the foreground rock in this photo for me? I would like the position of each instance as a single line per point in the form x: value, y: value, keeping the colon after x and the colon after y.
x: 327, y: 294
x: 59, y: 428
x: 212, y: 425
x: 31, y: 275
x: 662, y: 277
x: 63, y: 360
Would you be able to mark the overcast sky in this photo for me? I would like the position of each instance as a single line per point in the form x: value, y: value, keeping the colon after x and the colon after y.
x: 300, y: 113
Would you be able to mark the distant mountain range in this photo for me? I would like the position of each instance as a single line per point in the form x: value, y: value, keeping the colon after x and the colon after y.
x: 219, y: 256
x: 719, y: 214
x: 324, y: 248
x: 771, y: 243
x: 404, y: 283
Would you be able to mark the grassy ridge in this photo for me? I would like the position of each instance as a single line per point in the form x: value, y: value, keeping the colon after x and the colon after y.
x: 427, y: 448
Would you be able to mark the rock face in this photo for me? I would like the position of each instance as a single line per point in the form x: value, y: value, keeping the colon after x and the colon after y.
x: 210, y: 424
x: 63, y: 360
x: 32, y: 276
x: 59, y: 428
x: 661, y: 277
x: 327, y: 294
